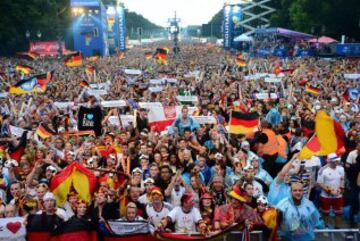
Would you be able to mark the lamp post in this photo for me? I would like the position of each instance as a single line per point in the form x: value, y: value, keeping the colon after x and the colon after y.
x: 174, y: 31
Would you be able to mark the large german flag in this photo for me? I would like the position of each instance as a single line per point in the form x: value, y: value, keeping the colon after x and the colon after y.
x: 74, y: 176
x: 74, y: 60
x: 240, y: 62
x: 25, y: 69
x: 311, y: 148
x: 34, y: 84
x: 329, y: 132
x: 243, y: 123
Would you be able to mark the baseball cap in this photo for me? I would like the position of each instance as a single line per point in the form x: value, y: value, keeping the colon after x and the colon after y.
x: 333, y: 157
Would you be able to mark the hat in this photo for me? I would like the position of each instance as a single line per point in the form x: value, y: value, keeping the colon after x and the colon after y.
x: 156, y: 190
x: 206, y: 195
x: 218, y: 155
x: 186, y: 197
x: 248, y: 167
x: 333, y: 157
x: 144, y: 132
x: 262, y: 199
x: 236, y: 160
x: 137, y: 169
x: 51, y: 168
x: 149, y: 180
x: 237, y: 194
x: 245, y: 144
x: 144, y: 157
x: 49, y: 196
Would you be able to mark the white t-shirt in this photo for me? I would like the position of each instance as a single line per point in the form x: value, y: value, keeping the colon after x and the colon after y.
x: 176, y: 196
x: 155, y: 217
x: 144, y: 199
x: 331, y: 178
x: 351, y: 158
x: 185, y: 222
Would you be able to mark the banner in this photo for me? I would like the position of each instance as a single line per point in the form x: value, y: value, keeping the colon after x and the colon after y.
x: 17, y: 131
x: 4, y: 94
x: 113, y: 103
x: 273, y: 80
x: 90, y: 119
x: 191, y: 98
x: 227, y: 27
x: 12, y: 229
x: 352, y: 76
x: 348, y: 49
x: 264, y: 96
x: 97, y: 92
x: 205, y: 119
x: 156, y: 89
x: 133, y: 71
x: 122, y: 28
x: 127, y: 228
x: 126, y: 120
x: 99, y: 86
x: 48, y: 48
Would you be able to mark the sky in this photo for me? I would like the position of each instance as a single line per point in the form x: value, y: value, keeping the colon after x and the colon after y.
x: 191, y: 12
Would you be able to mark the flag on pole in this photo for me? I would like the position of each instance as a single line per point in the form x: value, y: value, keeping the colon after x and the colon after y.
x: 44, y: 131
x: 34, y: 84
x: 240, y: 62
x: 312, y: 90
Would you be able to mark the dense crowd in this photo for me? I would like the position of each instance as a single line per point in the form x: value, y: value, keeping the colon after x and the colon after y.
x: 191, y: 176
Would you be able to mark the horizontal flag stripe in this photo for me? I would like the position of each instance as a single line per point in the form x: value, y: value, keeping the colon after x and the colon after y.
x: 245, y: 123
x: 245, y: 116
x: 241, y: 129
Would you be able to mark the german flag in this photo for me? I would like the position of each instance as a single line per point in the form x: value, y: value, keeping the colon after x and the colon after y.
x: 161, y: 55
x: 243, y: 123
x: 25, y: 69
x: 44, y: 131
x: 148, y: 55
x: 312, y: 90
x: 34, y: 84
x: 329, y: 132
x: 90, y: 69
x: 84, y: 84
x: 311, y: 148
x: 74, y: 60
x: 77, y: 176
x: 240, y: 62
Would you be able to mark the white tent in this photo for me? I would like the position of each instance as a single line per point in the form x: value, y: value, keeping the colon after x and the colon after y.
x: 243, y: 38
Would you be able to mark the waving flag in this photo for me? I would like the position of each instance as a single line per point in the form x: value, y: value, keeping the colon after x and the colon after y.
x: 311, y: 148
x: 243, y: 123
x: 84, y: 83
x: 312, y: 90
x: 44, y: 131
x: 240, y: 62
x: 74, y: 60
x: 21, y: 68
x: 329, y: 132
x: 161, y: 55
x: 30, y: 85
x: 73, y: 176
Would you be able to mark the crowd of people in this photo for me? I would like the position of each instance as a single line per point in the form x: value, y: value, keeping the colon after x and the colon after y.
x: 189, y: 177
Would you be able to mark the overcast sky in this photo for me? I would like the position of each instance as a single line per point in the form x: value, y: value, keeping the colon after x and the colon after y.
x: 191, y: 12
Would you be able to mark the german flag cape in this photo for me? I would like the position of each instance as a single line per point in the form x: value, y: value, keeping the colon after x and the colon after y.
x: 73, y: 176
x: 75, y: 229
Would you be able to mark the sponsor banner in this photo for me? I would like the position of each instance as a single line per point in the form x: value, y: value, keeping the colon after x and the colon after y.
x: 352, y: 76
x: 148, y: 105
x: 122, y: 28
x: 100, y: 86
x: 157, y: 81
x: 264, y: 96
x: 133, y: 71
x: 193, y: 74
x: 156, y: 89
x: 64, y: 105
x: 205, y: 119
x: 12, y: 229
x: 113, y: 103
x: 192, y: 98
x: 4, y: 94
x: 46, y: 48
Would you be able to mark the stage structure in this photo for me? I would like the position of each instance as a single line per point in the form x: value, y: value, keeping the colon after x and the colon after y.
x: 240, y: 18
x: 174, y: 30
x: 89, y: 24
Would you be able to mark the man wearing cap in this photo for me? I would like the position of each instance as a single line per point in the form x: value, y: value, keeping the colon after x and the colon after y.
x: 331, y: 180
x: 157, y: 209
x: 236, y: 211
x: 50, y: 207
x: 186, y: 218
x: 146, y: 197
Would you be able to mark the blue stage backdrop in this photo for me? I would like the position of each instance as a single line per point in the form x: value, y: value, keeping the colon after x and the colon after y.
x: 90, y: 27
x: 112, y: 29
x: 233, y: 15
x: 349, y: 50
